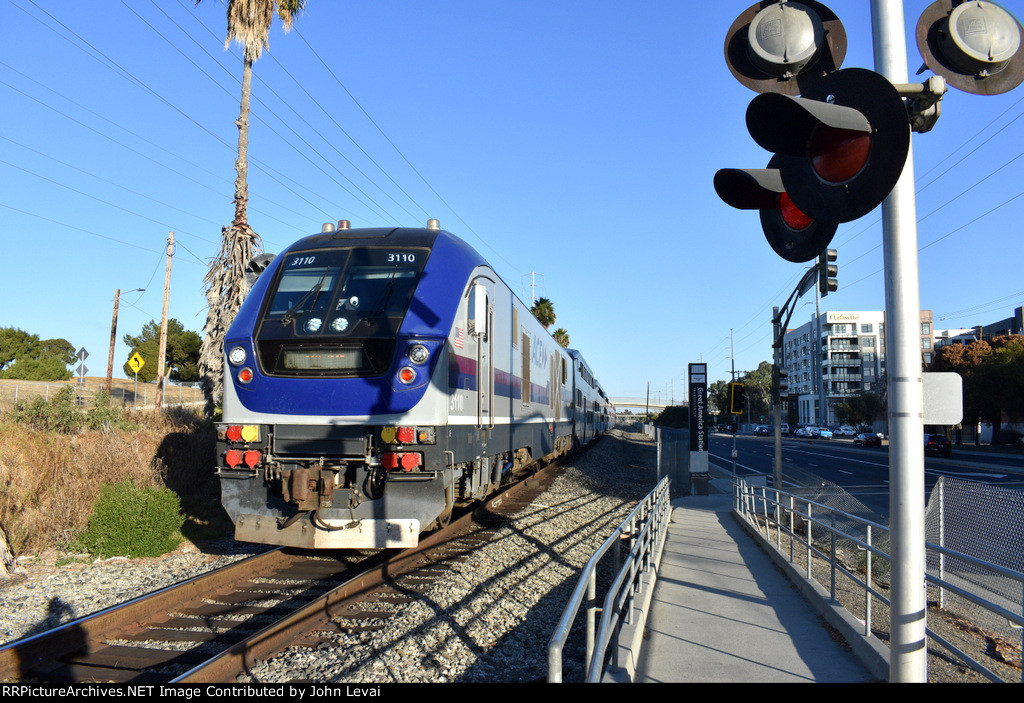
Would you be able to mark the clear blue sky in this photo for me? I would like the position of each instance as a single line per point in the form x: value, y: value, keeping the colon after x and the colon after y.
x: 574, y: 139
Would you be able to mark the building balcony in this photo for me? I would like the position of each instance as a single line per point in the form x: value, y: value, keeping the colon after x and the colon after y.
x: 834, y: 361
x: 843, y: 377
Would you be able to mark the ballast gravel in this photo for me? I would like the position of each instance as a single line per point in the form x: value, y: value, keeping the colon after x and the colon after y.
x: 488, y: 621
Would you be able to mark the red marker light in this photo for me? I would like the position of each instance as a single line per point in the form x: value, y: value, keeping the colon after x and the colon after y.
x: 407, y: 374
x: 245, y: 375
x: 792, y: 215
x: 837, y: 155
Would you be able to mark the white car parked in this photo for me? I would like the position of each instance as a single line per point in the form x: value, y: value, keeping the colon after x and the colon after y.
x: 846, y: 431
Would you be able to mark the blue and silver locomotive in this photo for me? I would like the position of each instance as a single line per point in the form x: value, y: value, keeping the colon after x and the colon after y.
x: 376, y: 379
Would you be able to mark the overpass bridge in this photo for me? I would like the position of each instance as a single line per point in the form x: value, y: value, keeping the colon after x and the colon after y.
x: 642, y: 403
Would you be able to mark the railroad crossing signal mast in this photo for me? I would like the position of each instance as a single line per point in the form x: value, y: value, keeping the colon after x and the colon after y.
x: 840, y: 140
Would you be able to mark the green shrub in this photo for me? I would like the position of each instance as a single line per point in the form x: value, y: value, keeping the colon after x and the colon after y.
x: 131, y: 521
x: 101, y: 415
x: 64, y: 413
x: 58, y: 414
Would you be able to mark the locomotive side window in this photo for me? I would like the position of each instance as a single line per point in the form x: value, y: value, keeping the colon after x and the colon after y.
x: 471, y: 310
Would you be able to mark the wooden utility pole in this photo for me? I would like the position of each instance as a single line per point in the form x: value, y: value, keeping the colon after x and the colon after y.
x: 113, y: 336
x: 163, y: 325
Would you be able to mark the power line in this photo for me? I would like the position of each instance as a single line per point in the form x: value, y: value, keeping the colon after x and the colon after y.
x: 401, y: 154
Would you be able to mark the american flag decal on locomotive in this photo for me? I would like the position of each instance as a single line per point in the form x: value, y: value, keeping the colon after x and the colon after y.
x: 460, y: 338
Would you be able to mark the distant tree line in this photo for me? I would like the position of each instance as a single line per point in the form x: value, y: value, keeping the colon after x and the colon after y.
x: 673, y: 416
x: 993, y: 376
x: 25, y: 356
x: 181, y: 362
x: 859, y: 409
x: 757, y: 386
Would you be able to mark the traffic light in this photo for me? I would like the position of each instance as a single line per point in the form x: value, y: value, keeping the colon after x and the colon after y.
x: 841, y: 147
x: 974, y: 46
x: 791, y: 234
x: 780, y: 382
x: 736, y: 399
x: 827, y: 272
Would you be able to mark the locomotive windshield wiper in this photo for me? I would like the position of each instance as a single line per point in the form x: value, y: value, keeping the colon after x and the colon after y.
x: 314, y: 291
x: 384, y: 298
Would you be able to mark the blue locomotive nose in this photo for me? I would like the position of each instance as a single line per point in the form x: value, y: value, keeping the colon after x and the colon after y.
x: 379, y: 378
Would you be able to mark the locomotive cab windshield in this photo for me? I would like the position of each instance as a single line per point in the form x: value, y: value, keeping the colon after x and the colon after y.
x: 337, y: 312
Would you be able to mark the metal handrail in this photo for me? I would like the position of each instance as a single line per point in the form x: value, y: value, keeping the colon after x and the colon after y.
x: 645, y: 527
x: 769, y: 509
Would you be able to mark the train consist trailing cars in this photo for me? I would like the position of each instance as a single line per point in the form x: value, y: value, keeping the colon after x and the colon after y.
x: 378, y: 378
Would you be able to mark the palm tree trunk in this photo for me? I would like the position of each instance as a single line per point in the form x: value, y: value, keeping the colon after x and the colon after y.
x: 225, y: 280
x: 242, y: 159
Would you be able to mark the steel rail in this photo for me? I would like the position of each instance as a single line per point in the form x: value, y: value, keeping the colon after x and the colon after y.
x: 56, y: 654
x: 29, y: 653
x: 240, y: 657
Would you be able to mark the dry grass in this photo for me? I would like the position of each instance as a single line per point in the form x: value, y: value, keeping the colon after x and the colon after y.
x: 48, y: 480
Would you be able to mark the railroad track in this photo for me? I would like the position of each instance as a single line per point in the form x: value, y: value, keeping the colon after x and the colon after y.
x: 216, y: 626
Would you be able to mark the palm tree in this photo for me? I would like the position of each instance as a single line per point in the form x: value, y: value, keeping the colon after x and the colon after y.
x: 226, y: 287
x: 544, y: 311
x: 561, y: 336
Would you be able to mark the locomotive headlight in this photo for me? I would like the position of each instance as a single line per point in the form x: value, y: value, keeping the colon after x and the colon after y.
x: 237, y: 356
x: 313, y: 324
x: 419, y: 354
x: 339, y: 324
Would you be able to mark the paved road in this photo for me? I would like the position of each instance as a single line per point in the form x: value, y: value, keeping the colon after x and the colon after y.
x: 861, y: 471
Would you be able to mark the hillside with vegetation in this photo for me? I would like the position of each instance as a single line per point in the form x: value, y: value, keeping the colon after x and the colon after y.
x: 58, y: 457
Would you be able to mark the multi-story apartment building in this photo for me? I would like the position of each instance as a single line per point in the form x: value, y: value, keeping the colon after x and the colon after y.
x: 1011, y: 325
x: 837, y: 354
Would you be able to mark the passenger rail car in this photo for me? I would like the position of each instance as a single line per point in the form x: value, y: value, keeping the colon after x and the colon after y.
x: 375, y: 379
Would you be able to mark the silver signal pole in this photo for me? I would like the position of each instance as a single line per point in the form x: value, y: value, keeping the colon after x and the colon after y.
x: 908, y: 654
x: 734, y: 420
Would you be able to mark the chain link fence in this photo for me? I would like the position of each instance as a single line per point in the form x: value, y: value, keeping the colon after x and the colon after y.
x: 846, y: 515
x: 125, y: 392
x: 977, y: 520
x: 987, y: 523
x: 980, y: 528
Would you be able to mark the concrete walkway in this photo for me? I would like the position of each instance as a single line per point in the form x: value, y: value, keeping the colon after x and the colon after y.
x: 723, y: 612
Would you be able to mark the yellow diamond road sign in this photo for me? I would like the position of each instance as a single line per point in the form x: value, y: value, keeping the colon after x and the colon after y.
x: 136, y: 362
